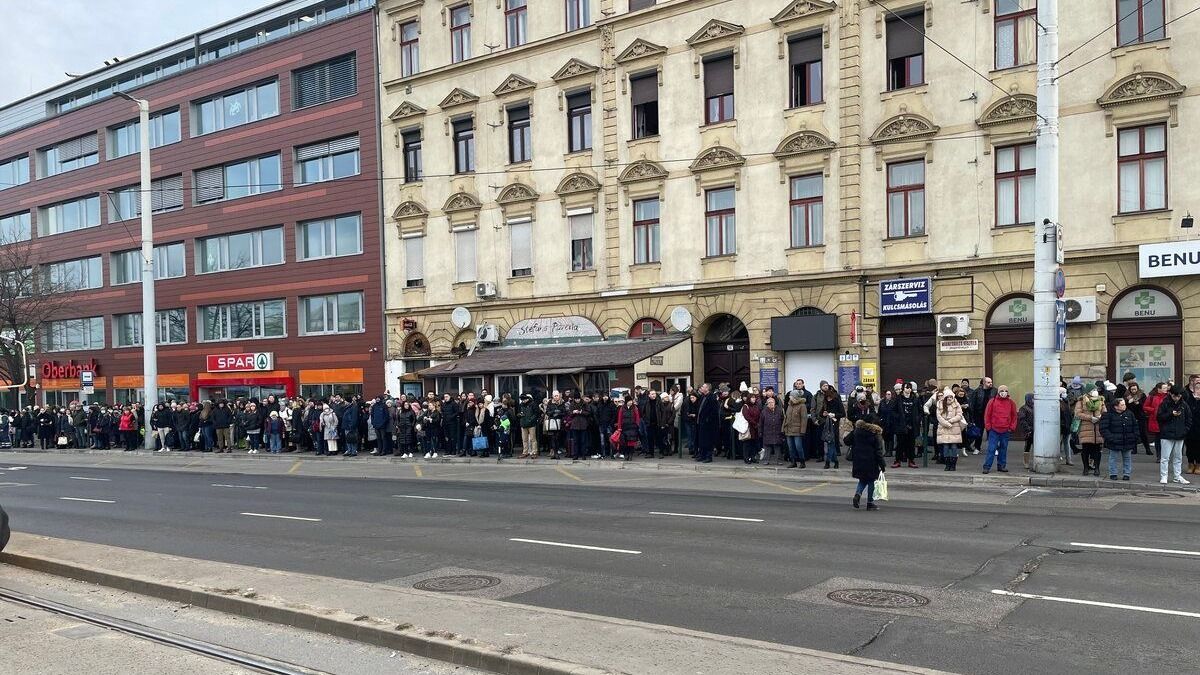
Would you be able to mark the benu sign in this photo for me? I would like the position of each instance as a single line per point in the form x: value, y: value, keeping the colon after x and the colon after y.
x: 1173, y: 259
x: 234, y: 363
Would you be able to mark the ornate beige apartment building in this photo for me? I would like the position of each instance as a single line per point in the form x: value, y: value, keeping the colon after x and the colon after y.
x: 809, y: 188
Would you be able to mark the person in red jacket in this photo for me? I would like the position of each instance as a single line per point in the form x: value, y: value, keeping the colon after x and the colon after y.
x: 1000, y: 420
x: 1150, y: 407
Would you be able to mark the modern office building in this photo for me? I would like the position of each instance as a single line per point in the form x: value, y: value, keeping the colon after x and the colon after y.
x: 839, y: 191
x: 265, y: 194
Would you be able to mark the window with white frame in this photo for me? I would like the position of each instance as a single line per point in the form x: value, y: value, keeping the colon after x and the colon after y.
x: 242, y: 321
x: 238, y: 179
x: 580, y: 225
x: 15, y: 227
x: 75, y: 153
x: 126, y: 139
x: 464, y: 255
x: 75, y: 275
x: 235, y: 108
x: 126, y: 202
x: 14, y: 172
x: 335, y: 313
x: 414, y: 262
x: 170, y: 326
x: 906, y: 198
x: 520, y: 236
x: 254, y: 248
x: 330, y: 237
x: 327, y: 160
x: 168, y: 264
x: 76, y: 214
x: 73, y: 334
x: 1142, y: 168
x: 1016, y: 176
x: 646, y: 231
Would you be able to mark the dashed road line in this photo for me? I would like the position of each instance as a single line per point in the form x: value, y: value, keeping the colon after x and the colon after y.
x: 106, y: 480
x: 589, y: 548
x: 1137, y: 549
x: 696, y: 515
x: 81, y: 499
x: 435, y: 499
x: 245, y: 487
x: 272, y: 515
x: 1096, y: 603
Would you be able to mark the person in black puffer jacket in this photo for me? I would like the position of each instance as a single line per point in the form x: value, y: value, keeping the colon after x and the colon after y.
x: 1174, y: 419
x: 1121, y: 432
x: 866, y: 452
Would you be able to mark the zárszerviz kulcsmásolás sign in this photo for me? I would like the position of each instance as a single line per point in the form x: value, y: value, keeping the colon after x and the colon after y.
x: 906, y: 296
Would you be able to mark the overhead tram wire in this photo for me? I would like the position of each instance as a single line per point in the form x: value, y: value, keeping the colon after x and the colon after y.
x: 1108, y: 52
x: 1140, y: 5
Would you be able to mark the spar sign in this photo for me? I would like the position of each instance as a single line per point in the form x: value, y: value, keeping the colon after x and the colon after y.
x: 238, y: 363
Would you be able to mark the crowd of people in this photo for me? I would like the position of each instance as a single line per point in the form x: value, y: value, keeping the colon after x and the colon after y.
x: 742, y: 424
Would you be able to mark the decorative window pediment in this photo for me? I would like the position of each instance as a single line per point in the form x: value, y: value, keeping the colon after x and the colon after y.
x: 717, y: 165
x: 458, y: 97
x: 1015, y: 108
x: 804, y: 152
x: 578, y: 190
x: 517, y: 199
x: 574, y: 68
x: 802, y: 9
x: 640, y: 49
x: 1140, y: 87
x: 462, y: 201
x: 904, y: 128
x: 410, y: 217
x: 642, y: 170
x: 514, y: 83
x: 715, y: 29
x: 406, y: 110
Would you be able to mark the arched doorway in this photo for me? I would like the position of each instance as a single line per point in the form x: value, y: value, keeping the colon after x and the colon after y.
x: 647, y: 327
x: 1145, y: 336
x: 1008, y: 344
x: 726, y: 351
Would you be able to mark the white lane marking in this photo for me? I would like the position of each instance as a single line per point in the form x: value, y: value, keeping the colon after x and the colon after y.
x: 1136, y: 548
x: 589, y: 548
x: 81, y: 499
x: 271, y: 515
x: 247, y: 487
x: 696, y: 515
x: 436, y: 499
x: 13, y: 468
x: 1094, y: 603
x: 106, y: 480
x: 17, y: 484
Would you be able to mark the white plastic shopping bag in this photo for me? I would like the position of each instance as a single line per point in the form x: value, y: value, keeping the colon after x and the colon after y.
x: 881, y: 491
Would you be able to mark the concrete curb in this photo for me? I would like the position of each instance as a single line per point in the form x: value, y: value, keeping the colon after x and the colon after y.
x: 437, y: 645
x: 900, y: 477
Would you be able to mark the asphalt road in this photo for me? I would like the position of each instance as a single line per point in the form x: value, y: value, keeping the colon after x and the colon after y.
x: 762, y: 570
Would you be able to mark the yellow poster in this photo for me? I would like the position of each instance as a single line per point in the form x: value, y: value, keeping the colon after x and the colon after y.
x: 869, y: 372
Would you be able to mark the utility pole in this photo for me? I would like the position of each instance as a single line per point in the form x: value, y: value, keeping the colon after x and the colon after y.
x: 149, y: 332
x: 1047, y: 362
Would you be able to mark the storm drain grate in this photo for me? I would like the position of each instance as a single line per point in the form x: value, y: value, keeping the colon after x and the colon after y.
x: 1159, y: 495
x: 878, y: 598
x: 463, y: 583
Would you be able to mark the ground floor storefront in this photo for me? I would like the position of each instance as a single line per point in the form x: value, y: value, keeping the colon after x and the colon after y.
x: 949, y: 322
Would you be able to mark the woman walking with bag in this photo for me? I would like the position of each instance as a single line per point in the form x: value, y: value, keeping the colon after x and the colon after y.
x: 866, y: 453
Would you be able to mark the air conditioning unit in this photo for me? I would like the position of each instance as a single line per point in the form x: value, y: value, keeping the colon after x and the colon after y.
x: 487, y: 333
x: 485, y: 289
x: 954, y: 325
x: 1081, y: 310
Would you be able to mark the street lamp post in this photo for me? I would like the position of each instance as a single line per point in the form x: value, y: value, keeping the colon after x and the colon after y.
x: 149, y: 333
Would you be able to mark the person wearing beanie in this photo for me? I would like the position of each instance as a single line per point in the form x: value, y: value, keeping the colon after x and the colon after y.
x: 1174, y: 419
x: 1088, y: 410
x: 950, y: 426
x: 999, y: 420
x: 274, y: 429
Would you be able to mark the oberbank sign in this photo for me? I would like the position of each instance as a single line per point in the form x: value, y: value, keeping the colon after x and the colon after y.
x: 1172, y: 259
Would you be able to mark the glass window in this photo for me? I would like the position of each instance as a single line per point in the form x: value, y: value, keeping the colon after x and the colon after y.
x: 76, y: 214
x: 516, y: 22
x: 14, y: 172
x: 460, y: 33
x: 643, y: 95
x: 126, y: 202
x: 1140, y: 21
x: 906, y: 198
x: 414, y: 262
x: 239, y: 179
x: 906, y: 50
x: 464, y: 256
x: 73, y: 334
x: 1015, y: 184
x: 74, y: 275
x: 168, y: 264
x: 464, y: 145
x: 70, y: 155
x: 410, y: 52
x: 520, y: 142
x: 328, y: 160
x: 1142, y: 168
x: 324, y: 82
x: 718, y: 89
x: 1016, y: 33
x: 581, y: 241
x: 412, y: 156
x: 241, y: 250
x: 338, y: 313
x: 331, y: 237
x: 236, y: 108
x: 520, y: 233
x: 15, y: 227
x: 579, y: 14
x: 646, y: 231
x: 804, y: 56
x: 720, y: 222
x: 242, y: 321
x: 170, y: 328
x: 807, y: 210
x: 579, y: 121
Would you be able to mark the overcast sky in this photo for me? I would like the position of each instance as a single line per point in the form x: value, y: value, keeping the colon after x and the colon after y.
x: 43, y: 39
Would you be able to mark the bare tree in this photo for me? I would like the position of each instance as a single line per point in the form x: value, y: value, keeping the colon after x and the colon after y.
x: 29, y: 301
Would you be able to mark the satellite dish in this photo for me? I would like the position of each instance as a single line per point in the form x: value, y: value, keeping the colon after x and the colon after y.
x: 681, y: 319
x: 460, y: 317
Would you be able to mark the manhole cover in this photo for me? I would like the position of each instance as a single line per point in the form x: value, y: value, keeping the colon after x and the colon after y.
x: 879, y: 598
x: 463, y: 583
x: 1159, y: 495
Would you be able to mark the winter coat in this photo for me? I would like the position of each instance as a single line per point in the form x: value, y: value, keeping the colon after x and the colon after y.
x: 451, y: 415
x: 1000, y: 415
x: 1089, y: 432
x: 888, y: 413
x: 406, y: 427
x: 666, y: 412
x: 531, y: 415
x: 1171, y: 426
x: 1025, y: 422
x: 379, y: 415
x: 329, y: 425
x: 708, y: 421
x: 222, y: 418
x: 350, y: 419
x: 951, y: 423
x: 581, y: 417
x: 606, y: 414
x: 770, y: 426
x: 979, y: 402
x: 128, y: 422
x: 1120, y: 430
x: 628, y: 421
x: 908, y: 415
x: 752, y: 414
x: 1193, y: 403
x: 795, y: 419
x: 1150, y: 407
x: 866, y: 450
x: 79, y: 417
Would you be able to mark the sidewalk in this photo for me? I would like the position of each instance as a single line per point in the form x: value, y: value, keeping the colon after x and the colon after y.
x: 1145, y: 473
x: 493, y: 635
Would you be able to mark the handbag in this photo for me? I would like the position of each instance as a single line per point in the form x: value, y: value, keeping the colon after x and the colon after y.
x: 479, y: 443
x: 615, y: 438
x: 62, y: 441
x: 553, y: 424
x: 196, y: 437
x: 1075, y: 425
x: 973, y: 431
x: 881, y: 488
